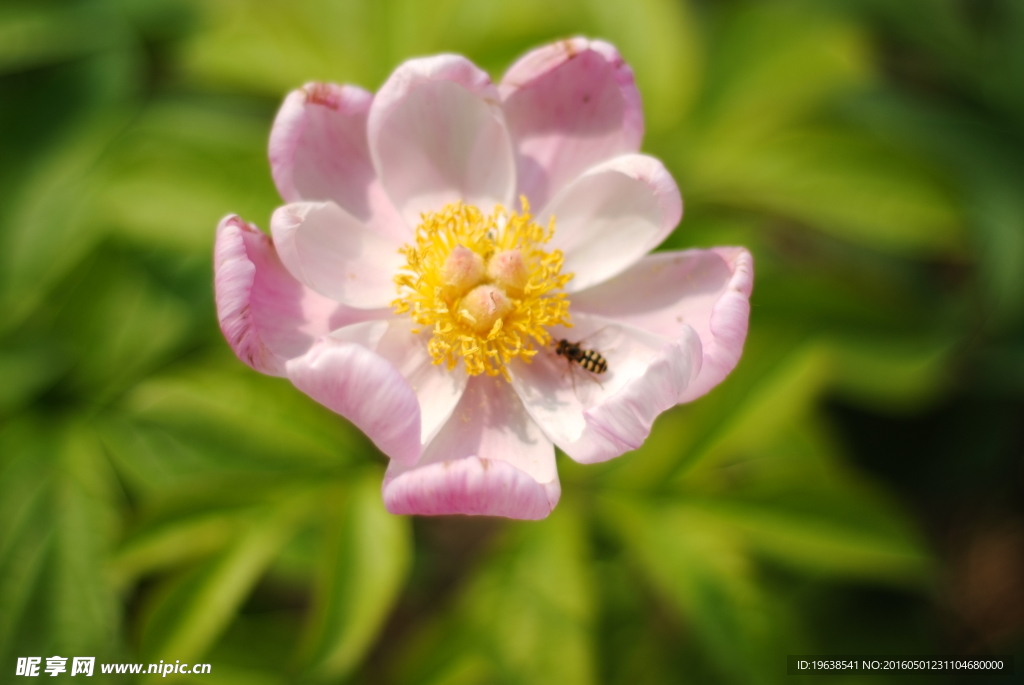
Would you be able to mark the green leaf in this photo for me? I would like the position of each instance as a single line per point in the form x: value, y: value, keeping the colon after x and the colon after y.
x: 365, y: 561
x: 192, y: 613
x: 841, y: 183
x: 533, y: 607
x: 37, y: 34
x: 276, y: 46
x: 988, y: 172
x: 891, y: 373
x: 845, y: 293
x: 120, y: 326
x: 974, y: 51
x: 701, y: 568
x: 760, y: 137
x: 220, y: 416
x: 44, y: 239
x: 778, y: 384
x: 88, y: 520
x: 660, y: 40
x: 229, y: 674
x: 793, y: 499
x: 779, y: 377
x: 772, y: 67
x: 173, y: 543
x: 186, y: 522
x: 525, y: 615
x: 273, y: 47
x: 60, y: 514
x: 181, y: 167
x: 28, y: 371
x: 785, y: 396
x: 25, y: 482
x: 809, y: 534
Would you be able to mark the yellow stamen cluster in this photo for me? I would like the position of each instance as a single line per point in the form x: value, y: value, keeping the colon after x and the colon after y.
x: 484, y: 285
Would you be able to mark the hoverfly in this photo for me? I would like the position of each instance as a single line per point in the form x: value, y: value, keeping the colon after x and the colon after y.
x: 583, y: 359
x: 591, y: 360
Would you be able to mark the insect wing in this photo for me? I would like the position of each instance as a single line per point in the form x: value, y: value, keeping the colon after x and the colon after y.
x: 602, y: 340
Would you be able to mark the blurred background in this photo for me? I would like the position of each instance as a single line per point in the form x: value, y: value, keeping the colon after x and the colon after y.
x: 856, y: 486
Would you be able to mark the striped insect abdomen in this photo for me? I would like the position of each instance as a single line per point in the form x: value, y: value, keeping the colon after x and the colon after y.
x: 592, y: 361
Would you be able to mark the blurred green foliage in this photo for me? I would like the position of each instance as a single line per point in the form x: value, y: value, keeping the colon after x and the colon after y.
x: 159, y: 500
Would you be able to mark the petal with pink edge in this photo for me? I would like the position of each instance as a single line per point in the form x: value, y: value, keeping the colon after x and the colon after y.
x: 335, y: 254
x: 594, y: 417
x: 490, y: 459
x: 569, y: 105
x: 437, y: 388
x: 266, y: 315
x: 319, y: 151
x: 437, y: 135
x: 318, y: 148
x: 611, y: 216
x: 708, y: 290
x: 362, y: 386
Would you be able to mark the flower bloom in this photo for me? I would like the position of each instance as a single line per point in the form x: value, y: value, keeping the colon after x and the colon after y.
x: 462, y: 271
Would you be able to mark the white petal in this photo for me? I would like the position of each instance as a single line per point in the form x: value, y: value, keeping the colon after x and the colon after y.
x: 490, y: 458
x: 597, y: 417
x: 570, y: 105
x: 437, y: 134
x: 437, y: 388
x: 319, y: 152
x: 363, y: 387
x: 267, y: 316
x: 708, y: 290
x: 335, y: 254
x: 611, y: 216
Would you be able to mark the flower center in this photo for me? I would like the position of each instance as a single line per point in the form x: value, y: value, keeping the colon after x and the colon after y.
x: 484, y: 284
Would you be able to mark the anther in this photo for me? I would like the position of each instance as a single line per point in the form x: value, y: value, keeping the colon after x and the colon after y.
x: 463, y: 269
x: 484, y: 305
x: 508, y: 270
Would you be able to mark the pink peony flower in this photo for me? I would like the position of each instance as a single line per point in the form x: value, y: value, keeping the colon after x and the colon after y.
x: 410, y: 287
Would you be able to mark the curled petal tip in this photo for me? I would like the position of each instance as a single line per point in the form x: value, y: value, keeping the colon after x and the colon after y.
x: 234, y: 277
x: 362, y: 386
x: 471, y: 486
x: 570, y: 105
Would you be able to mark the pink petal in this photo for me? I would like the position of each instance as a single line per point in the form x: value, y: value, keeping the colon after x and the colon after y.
x: 597, y: 417
x: 266, y: 315
x: 319, y: 151
x: 363, y: 387
x: 708, y: 290
x: 569, y: 105
x: 335, y: 254
x: 437, y: 389
x: 611, y: 216
x: 437, y: 134
x: 489, y: 459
